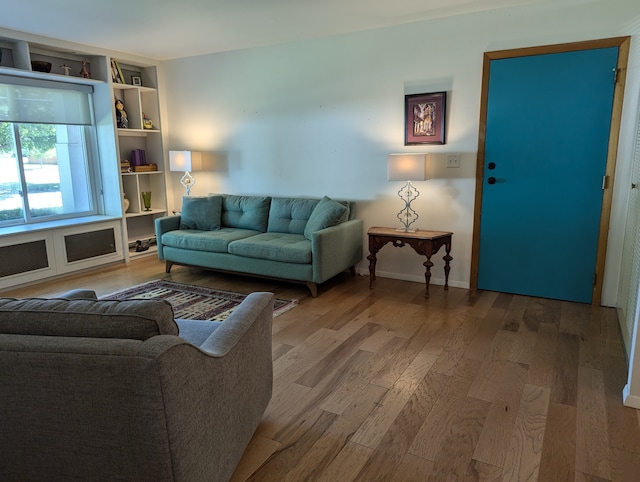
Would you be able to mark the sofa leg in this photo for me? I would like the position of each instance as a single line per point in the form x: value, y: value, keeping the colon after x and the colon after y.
x: 313, y: 288
x: 168, y: 266
x: 352, y: 270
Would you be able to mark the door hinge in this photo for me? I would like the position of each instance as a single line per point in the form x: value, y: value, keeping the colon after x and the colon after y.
x: 605, y: 182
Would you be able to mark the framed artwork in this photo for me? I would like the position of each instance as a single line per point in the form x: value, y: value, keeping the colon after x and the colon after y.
x: 424, y: 118
x: 135, y: 80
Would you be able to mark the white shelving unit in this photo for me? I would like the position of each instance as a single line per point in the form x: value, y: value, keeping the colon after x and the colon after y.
x: 139, y: 101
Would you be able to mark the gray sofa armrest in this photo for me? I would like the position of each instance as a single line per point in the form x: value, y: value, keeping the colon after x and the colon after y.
x: 217, y: 396
x: 255, y: 308
x: 335, y: 249
x: 164, y: 225
x: 79, y: 294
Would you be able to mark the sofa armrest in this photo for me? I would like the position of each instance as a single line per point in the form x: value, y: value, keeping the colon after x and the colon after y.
x: 255, y: 308
x: 164, y: 225
x: 79, y: 294
x: 336, y: 249
x: 216, y: 395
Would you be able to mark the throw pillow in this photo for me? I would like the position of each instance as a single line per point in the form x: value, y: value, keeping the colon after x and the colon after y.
x: 201, y: 213
x: 327, y: 213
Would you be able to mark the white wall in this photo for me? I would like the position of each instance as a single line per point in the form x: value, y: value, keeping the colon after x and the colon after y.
x: 320, y: 117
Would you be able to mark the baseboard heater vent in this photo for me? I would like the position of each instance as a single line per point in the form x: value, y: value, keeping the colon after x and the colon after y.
x: 23, y: 257
x: 89, y: 245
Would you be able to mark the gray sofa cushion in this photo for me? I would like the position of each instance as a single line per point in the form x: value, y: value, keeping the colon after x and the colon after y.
x: 327, y: 213
x: 245, y: 212
x: 201, y: 212
x: 288, y: 248
x: 131, y: 319
x: 290, y: 215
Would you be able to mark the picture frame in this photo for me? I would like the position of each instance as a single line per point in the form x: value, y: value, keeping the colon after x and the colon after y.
x: 425, y: 116
x: 136, y: 80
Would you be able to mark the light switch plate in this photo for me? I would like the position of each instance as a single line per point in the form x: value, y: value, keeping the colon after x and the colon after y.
x: 453, y: 160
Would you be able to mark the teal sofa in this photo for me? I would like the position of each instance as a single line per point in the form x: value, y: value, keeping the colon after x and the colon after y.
x: 295, y: 239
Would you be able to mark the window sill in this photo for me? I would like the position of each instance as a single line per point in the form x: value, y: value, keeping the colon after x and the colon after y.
x: 57, y: 224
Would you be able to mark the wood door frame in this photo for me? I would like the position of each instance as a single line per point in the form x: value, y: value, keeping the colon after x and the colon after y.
x: 605, y: 217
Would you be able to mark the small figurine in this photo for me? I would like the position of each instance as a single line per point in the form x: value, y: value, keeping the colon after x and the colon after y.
x: 66, y: 69
x: 84, y: 73
x: 122, y: 122
x: 146, y: 122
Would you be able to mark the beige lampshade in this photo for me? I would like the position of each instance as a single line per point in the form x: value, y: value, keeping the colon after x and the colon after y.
x: 408, y: 167
x: 185, y: 161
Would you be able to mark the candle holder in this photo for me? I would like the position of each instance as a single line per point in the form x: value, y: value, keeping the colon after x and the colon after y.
x: 146, y: 200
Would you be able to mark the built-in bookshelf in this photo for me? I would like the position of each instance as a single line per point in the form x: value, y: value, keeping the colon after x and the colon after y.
x: 141, y: 133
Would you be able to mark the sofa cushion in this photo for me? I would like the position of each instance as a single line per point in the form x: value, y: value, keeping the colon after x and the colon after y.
x: 245, y: 212
x: 212, y: 241
x: 201, y: 212
x: 130, y: 319
x: 290, y: 215
x: 327, y: 213
x: 288, y: 248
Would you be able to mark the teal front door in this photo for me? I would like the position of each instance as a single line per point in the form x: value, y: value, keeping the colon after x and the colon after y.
x: 547, y: 135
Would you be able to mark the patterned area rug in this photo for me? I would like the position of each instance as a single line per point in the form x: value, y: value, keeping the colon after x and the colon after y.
x: 193, y: 302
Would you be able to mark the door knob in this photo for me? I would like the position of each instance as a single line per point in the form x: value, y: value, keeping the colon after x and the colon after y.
x: 491, y: 180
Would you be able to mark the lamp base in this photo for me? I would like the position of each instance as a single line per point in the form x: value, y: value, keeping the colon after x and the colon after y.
x: 406, y: 230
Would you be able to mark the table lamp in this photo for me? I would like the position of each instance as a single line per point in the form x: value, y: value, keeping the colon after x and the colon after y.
x: 407, y: 167
x: 185, y: 161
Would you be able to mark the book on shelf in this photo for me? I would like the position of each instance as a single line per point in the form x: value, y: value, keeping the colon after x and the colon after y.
x: 116, y: 74
x: 138, y: 157
x: 145, y: 168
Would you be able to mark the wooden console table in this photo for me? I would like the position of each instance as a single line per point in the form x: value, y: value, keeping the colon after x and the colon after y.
x: 426, y: 243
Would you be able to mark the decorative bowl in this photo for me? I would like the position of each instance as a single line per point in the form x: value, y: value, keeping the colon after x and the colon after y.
x: 41, y: 66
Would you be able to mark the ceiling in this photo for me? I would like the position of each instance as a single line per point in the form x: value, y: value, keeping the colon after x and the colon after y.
x: 167, y: 29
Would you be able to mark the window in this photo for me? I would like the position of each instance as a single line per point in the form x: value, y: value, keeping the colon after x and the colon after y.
x: 46, y: 151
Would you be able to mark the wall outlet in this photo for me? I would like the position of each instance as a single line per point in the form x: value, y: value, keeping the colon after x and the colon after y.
x: 453, y: 160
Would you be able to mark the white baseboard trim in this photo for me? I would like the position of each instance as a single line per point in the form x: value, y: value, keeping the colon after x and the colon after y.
x: 418, y: 279
x: 629, y: 400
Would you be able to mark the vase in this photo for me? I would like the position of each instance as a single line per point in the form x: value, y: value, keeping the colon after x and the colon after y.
x: 146, y: 200
x: 125, y: 202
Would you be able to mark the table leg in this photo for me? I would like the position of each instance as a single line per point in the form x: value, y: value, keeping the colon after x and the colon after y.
x: 447, y: 258
x: 427, y: 275
x: 372, y: 267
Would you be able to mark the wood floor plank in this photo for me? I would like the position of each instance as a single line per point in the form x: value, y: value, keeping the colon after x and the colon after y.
x: 541, y: 367
x: 340, y: 398
x: 487, y: 328
x: 332, y: 441
x: 413, y: 469
x: 257, y: 453
x: 453, y: 461
x: 435, y: 428
x: 504, y: 389
x: 336, y: 357
x: 347, y: 464
x: 281, y: 462
x: 625, y: 465
x: 374, y: 428
x: 525, y: 447
x: 592, y: 439
x: 564, y: 384
x: 558, y: 458
x: 386, y: 460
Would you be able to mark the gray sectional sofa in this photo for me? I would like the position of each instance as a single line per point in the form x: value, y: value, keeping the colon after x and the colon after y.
x: 295, y: 239
x: 119, y: 390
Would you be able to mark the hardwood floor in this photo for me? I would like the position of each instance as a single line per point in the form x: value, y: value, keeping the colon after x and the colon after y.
x: 385, y: 385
